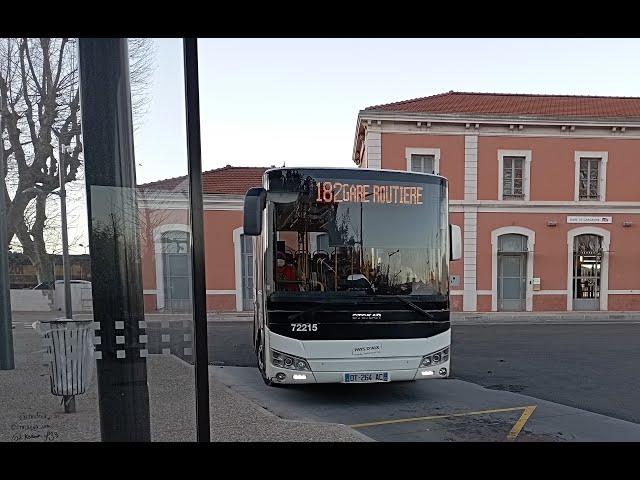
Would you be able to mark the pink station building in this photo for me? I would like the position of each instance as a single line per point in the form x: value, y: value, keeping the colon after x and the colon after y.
x: 544, y: 188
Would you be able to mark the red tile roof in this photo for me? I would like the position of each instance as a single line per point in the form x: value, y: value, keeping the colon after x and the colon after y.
x: 227, y: 180
x: 510, y: 104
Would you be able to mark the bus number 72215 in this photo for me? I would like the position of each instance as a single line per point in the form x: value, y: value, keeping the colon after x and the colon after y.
x: 304, y: 327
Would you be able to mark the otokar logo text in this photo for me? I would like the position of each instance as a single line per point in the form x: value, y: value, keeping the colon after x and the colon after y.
x: 366, y: 316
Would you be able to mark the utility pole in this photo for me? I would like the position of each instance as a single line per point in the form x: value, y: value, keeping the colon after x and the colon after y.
x: 6, y: 333
x: 62, y: 169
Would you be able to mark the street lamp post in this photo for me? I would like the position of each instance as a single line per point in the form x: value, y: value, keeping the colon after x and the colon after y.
x: 6, y: 334
x: 65, y: 240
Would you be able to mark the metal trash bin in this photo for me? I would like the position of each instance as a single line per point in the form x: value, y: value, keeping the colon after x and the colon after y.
x: 69, y: 354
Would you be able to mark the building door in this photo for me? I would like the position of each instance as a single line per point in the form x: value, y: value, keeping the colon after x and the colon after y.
x: 176, y: 263
x: 246, y: 252
x: 512, y: 272
x: 587, y: 265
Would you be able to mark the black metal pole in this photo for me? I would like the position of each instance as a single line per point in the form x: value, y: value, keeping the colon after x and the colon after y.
x: 192, y: 101
x: 6, y: 333
x: 107, y: 131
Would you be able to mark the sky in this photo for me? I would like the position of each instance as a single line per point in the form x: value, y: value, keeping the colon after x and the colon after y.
x: 295, y: 102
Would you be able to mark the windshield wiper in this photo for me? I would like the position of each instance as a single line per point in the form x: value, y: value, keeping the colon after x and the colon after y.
x: 410, y: 304
x: 295, y: 316
x: 415, y: 307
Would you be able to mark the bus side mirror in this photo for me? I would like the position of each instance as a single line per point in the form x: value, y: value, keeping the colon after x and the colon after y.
x: 254, y: 202
x: 455, y: 237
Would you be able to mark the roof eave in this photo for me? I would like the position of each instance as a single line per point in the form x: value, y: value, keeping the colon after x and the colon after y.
x: 499, y: 119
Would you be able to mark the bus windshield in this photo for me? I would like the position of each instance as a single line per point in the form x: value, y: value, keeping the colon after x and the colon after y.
x: 346, y: 236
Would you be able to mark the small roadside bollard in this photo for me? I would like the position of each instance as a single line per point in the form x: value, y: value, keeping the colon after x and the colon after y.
x: 69, y: 354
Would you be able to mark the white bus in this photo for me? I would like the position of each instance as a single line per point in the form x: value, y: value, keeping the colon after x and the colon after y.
x: 351, y: 275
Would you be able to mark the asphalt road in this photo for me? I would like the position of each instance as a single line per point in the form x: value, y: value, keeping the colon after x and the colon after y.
x: 590, y: 367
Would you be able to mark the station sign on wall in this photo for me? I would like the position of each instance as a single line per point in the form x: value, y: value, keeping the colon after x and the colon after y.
x: 588, y: 219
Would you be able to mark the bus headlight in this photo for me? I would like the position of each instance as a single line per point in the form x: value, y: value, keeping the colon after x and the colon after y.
x: 284, y: 360
x: 435, y: 358
x: 276, y: 359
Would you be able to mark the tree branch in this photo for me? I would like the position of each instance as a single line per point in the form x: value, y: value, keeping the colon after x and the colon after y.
x: 11, y: 124
x: 33, y: 73
x: 60, y: 56
x: 27, y: 101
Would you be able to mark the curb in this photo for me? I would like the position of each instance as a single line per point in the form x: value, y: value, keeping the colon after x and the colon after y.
x: 604, y: 318
x: 560, y: 315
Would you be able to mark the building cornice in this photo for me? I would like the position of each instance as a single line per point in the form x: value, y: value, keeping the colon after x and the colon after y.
x: 545, y: 206
x: 365, y: 115
x: 180, y: 201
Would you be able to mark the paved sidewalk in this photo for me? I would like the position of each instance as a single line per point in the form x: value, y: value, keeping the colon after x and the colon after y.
x: 457, y: 318
x: 481, y: 317
x: 149, y: 317
x: 31, y: 413
x: 467, y: 318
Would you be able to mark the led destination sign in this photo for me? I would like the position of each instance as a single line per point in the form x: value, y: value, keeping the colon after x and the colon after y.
x: 337, y: 192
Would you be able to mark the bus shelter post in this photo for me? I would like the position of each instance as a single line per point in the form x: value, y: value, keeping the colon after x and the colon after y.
x: 192, y: 102
x: 118, y: 308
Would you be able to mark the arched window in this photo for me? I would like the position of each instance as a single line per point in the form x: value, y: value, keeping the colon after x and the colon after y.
x: 176, y: 271
x: 512, y: 272
x: 512, y: 242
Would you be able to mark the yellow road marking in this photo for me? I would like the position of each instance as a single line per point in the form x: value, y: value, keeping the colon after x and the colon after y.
x: 520, y: 423
x: 436, y: 417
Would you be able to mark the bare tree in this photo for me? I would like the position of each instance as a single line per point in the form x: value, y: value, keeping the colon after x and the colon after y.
x: 40, y: 111
x: 153, y: 214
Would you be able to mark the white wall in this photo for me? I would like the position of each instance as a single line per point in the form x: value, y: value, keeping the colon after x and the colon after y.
x: 31, y: 300
x: 81, y: 298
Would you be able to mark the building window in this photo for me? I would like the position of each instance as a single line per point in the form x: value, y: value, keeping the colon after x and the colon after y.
x: 514, y: 174
x: 322, y: 241
x: 590, y: 176
x: 512, y: 272
x: 513, y: 178
x: 176, y: 271
x: 512, y: 243
x: 589, y: 179
x: 423, y: 163
x: 423, y: 160
x: 246, y: 252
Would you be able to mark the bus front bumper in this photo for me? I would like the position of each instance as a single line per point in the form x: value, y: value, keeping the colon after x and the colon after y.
x: 328, y: 361
x: 286, y: 376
